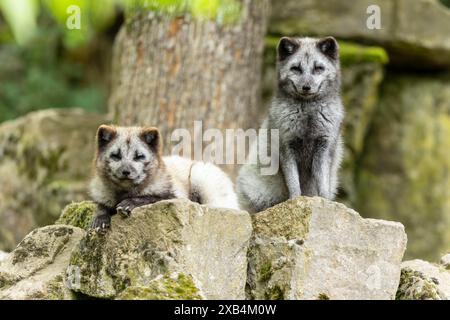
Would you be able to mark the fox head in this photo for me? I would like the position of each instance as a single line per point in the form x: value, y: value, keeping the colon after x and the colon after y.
x: 127, y: 156
x: 308, y: 68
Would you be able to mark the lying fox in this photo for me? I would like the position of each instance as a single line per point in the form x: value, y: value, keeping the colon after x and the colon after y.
x: 130, y: 171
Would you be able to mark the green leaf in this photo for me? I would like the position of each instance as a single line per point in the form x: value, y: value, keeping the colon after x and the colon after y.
x: 21, y: 15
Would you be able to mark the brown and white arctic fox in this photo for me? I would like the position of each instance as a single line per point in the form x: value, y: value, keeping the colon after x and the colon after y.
x: 130, y: 172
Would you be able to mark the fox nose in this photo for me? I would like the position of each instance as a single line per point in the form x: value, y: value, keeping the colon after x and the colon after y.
x: 306, y: 88
x: 126, y: 173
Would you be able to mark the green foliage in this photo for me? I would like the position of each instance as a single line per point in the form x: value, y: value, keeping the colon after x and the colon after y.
x: 221, y: 11
x: 445, y: 3
x: 36, y: 76
x: 22, y: 17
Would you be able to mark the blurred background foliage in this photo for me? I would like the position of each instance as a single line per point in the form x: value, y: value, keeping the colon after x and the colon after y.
x: 45, y: 64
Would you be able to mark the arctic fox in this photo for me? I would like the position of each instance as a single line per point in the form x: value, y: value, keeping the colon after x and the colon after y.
x: 308, y: 112
x: 130, y: 172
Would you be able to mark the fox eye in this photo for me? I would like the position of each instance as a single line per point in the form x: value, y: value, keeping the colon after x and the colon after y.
x: 318, y: 69
x: 297, y: 69
x: 116, y: 156
x: 139, y: 156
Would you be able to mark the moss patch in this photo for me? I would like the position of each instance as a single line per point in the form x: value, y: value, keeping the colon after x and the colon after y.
x: 265, y: 271
x: 414, y: 285
x: 221, y: 11
x: 78, y: 214
x: 350, y: 53
x: 177, y: 287
x: 323, y: 296
x: 274, y: 293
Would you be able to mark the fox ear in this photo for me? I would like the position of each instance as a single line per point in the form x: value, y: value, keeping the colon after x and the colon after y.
x: 151, y: 137
x: 329, y: 47
x: 286, y: 47
x: 105, y: 134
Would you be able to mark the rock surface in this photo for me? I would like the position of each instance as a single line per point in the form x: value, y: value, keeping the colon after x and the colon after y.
x: 36, y: 269
x: 445, y: 261
x: 422, y: 44
x: 402, y: 174
x: 45, y: 161
x: 209, y: 245
x: 3, y: 256
x: 311, y: 248
x: 421, y: 280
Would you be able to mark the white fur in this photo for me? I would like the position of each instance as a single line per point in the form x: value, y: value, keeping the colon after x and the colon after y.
x: 210, y: 182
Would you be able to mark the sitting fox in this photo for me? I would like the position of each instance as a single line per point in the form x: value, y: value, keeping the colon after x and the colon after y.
x: 308, y: 112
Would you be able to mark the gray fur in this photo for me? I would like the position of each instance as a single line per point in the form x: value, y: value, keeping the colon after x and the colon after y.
x: 308, y: 112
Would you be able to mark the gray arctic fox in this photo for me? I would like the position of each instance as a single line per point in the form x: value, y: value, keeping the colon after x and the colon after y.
x: 308, y: 112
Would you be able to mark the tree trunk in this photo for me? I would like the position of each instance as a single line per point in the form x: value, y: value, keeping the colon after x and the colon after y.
x: 171, y: 71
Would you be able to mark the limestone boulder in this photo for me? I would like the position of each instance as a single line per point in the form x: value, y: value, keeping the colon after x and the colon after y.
x: 36, y: 269
x: 45, y: 160
x: 204, y: 244
x: 403, y: 173
x: 312, y: 248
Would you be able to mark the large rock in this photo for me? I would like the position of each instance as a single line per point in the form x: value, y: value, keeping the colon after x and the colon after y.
x: 403, y: 173
x: 312, y: 248
x: 421, y: 280
x: 209, y: 245
x: 45, y: 161
x: 425, y: 43
x: 36, y: 269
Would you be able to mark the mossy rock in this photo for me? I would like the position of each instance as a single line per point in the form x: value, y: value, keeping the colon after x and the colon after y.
x: 78, y: 214
x: 414, y: 285
x: 350, y: 52
x: 220, y: 11
x: 402, y: 174
x: 168, y: 287
x: 45, y: 161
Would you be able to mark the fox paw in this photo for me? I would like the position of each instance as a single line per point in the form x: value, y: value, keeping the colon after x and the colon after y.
x: 101, y: 224
x: 125, y: 207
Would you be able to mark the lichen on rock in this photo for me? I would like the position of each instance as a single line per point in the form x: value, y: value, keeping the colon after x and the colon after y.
x: 414, y: 285
x: 177, y: 286
x: 422, y: 280
x: 78, y: 214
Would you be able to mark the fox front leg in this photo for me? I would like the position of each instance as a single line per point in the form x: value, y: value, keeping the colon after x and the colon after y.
x: 125, y: 207
x: 102, y: 219
x: 289, y: 168
x: 321, y: 172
